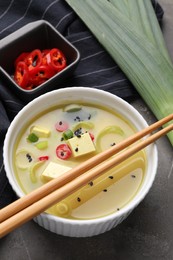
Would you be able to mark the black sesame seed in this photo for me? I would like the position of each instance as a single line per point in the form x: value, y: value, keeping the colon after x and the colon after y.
x: 28, y: 156
x: 118, y: 208
x: 78, y: 119
x: 111, y: 177
x: 113, y: 144
x: 78, y: 131
x: 91, y: 183
x: 133, y: 176
x: 78, y: 199
x: 105, y: 190
x: 76, y: 150
x: 89, y: 117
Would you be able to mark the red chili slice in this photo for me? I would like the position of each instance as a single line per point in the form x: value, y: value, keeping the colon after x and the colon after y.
x: 39, y: 67
x: 43, y: 158
x: 44, y: 58
x: 40, y: 74
x: 21, y: 75
x: 56, y: 59
x: 45, y: 51
x: 21, y: 57
x: 63, y: 151
x: 92, y: 136
x: 34, y: 59
x: 61, y: 126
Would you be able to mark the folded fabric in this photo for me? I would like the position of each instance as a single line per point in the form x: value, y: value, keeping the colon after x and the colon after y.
x: 96, y: 68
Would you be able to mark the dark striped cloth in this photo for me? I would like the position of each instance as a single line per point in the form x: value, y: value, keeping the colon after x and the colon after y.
x: 96, y: 68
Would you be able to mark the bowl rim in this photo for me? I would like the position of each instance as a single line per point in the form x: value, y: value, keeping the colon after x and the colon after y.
x: 129, y: 206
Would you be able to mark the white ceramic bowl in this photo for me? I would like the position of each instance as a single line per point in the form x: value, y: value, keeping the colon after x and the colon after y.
x: 80, y: 228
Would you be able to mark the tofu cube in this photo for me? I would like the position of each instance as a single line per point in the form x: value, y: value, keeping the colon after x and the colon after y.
x: 40, y: 131
x: 81, y: 145
x: 54, y: 170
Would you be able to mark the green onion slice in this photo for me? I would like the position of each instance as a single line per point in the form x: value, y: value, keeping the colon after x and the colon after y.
x: 67, y: 134
x: 32, y: 138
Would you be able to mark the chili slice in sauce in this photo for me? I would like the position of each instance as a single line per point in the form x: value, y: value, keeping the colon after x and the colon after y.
x: 43, y: 158
x: 63, y: 151
x: 61, y: 126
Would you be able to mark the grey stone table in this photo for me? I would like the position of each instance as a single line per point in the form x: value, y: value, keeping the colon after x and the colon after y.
x: 146, y: 234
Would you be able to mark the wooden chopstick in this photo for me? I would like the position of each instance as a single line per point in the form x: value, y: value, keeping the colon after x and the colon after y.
x: 44, y: 190
x: 28, y: 209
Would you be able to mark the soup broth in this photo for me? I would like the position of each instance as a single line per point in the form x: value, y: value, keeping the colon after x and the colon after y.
x: 63, y: 137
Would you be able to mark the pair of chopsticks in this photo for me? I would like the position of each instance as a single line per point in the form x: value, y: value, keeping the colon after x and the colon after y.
x: 31, y: 205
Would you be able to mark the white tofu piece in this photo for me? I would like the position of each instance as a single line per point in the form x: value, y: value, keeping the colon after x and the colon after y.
x: 81, y: 145
x: 54, y: 170
x: 40, y: 131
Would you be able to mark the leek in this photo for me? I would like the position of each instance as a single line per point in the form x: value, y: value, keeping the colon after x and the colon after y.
x: 160, y: 42
x: 146, y: 67
x: 147, y: 22
x: 142, y: 14
x: 122, y: 6
x: 135, y: 14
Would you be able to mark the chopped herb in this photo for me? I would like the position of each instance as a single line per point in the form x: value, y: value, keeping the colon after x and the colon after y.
x: 91, y: 183
x: 78, y: 199
x: 105, y: 190
x: 32, y: 138
x: 68, y: 134
x: 62, y: 139
x: 42, y: 145
x: 111, y: 177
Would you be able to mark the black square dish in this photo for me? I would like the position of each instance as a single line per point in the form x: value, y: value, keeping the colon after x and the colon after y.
x: 36, y: 35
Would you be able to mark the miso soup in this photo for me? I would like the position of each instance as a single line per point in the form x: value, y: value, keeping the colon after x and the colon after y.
x: 64, y: 136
